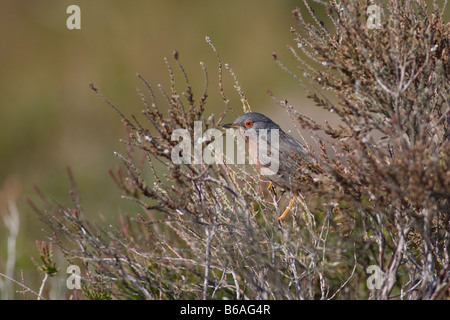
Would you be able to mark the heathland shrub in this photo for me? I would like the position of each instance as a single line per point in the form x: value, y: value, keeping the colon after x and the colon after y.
x: 372, y: 218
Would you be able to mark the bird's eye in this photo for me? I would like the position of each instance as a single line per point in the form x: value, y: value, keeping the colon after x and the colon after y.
x: 249, y: 123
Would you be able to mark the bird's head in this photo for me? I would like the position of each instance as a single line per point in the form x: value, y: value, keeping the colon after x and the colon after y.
x: 252, y: 121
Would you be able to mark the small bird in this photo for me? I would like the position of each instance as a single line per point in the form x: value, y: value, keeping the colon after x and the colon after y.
x: 291, y: 152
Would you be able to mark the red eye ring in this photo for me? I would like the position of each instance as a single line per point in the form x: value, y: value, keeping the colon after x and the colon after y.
x: 249, y: 123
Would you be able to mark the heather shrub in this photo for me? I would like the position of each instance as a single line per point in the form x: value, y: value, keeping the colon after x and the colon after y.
x: 372, y: 216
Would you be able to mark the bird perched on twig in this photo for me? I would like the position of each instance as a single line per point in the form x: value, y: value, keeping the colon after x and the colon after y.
x: 291, y: 153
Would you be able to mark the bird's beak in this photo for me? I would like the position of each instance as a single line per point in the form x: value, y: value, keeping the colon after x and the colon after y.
x: 231, y: 125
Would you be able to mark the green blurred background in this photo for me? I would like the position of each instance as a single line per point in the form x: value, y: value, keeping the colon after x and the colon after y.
x: 50, y: 119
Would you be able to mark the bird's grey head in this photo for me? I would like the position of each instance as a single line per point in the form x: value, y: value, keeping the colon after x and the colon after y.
x: 252, y: 120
